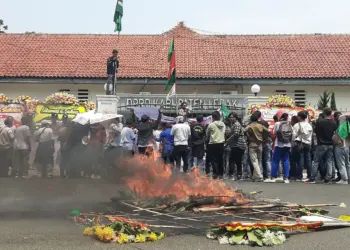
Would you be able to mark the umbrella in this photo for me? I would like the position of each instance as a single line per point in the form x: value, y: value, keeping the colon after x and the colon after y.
x: 93, y: 118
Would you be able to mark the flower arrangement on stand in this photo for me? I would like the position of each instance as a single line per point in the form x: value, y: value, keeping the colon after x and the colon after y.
x: 282, y: 101
x: 311, y: 113
x: 4, y: 99
x: 61, y: 98
x: 89, y: 105
x: 255, y: 107
x: 22, y: 98
x: 32, y: 104
x: 123, y: 231
x: 258, y: 234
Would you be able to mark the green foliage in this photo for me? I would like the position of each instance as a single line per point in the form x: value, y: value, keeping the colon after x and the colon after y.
x: 253, y: 238
x: 333, y: 104
x: 3, y: 27
x: 324, y: 100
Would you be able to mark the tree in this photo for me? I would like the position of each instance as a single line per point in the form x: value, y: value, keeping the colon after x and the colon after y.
x: 324, y: 100
x: 3, y: 27
x: 333, y: 104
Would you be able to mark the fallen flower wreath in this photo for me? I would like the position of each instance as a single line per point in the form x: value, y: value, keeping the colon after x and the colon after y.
x: 122, y: 231
x: 259, y: 234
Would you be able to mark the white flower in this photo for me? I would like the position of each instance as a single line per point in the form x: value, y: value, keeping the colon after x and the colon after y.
x: 281, y: 236
x: 131, y: 238
x: 231, y: 241
x: 243, y: 242
x: 223, y: 240
x: 211, y: 236
x: 269, y: 238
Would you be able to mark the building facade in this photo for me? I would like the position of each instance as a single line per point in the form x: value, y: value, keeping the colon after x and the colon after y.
x: 210, y: 69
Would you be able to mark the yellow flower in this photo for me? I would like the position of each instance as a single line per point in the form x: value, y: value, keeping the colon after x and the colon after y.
x: 140, y: 238
x: 123, y: 238
x: 99, y: 233
x: 161, y: 236
x: 89, y: 231
x: 108, y: 233
x: 153, y: 237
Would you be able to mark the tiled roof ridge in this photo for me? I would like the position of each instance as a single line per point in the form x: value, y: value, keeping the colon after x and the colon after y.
x: 217, y: 56
x: 166, y: 34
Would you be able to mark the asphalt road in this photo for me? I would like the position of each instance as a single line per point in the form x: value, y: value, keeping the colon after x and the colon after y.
x: 34, y: 212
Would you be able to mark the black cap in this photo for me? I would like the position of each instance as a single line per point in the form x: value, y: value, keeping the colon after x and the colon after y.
x: 115, y: 51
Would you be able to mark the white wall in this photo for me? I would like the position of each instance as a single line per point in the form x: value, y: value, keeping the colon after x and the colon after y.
x: 40, y: 91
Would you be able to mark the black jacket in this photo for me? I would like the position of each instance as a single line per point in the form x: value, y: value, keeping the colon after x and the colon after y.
x: 112, y: 65
x: 145, y: 131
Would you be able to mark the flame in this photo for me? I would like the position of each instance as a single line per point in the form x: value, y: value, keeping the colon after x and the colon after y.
x: 149, y: 177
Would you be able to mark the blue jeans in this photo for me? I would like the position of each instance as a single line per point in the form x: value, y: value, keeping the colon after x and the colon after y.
x: 280, y: 154
x: 323, y: 154
x: 302, y: 160
x: 342, y: 161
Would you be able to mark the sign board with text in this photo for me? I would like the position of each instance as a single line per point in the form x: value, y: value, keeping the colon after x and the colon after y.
x: 44, y: 112
x: 205, y: 102
x: 14, y: 110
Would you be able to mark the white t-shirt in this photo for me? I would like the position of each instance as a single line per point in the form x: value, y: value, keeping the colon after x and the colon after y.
x: 302, y: 131
x: 181, y: 133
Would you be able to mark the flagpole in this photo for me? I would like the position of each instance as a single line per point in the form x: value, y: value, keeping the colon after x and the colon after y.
x: 177, y: 106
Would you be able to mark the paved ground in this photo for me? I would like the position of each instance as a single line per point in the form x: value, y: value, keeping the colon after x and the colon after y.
x: 33, y: 215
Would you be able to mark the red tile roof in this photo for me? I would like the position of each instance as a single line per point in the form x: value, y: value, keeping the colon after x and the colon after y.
x: 198, y: 56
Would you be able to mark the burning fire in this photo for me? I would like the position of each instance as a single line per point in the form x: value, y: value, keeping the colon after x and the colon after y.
x: 149, y: 177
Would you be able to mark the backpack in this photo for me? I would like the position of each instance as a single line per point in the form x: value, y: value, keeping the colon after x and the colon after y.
x: 284, y: 132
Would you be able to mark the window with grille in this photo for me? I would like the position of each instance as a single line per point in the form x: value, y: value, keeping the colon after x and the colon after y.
x: 64, y: 90
x: 281, y: 92
x: 83, y: 94
x: 300, y: 98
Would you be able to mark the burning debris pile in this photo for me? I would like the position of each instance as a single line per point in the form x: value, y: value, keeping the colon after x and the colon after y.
x: 154, y: 184
x: 194, y: 201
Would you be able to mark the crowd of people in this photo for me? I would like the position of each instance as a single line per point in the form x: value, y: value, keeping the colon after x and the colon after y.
x: 224, y: 148
x: 253, y: 151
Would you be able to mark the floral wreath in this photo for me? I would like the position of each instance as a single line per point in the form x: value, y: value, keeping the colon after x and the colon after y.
x: 255, y: 107
x: 89, y: 105
x: 311, y: 113
x: 61, y: 98
x: 280, y: 101
x: 4, y: 99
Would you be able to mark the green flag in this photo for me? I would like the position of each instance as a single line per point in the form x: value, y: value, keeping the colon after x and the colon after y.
x: 118, y: 14
x: 172, y: 66
x: 224, y: 110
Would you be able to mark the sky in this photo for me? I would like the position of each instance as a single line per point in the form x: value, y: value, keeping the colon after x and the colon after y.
x: 157, y: 16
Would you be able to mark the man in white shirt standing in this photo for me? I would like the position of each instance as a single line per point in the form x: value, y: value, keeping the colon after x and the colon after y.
x: 127, y: 138
x: 6, y: 146
x: 302, y: 137
x: 22, y: 149
x: 181, y: 132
